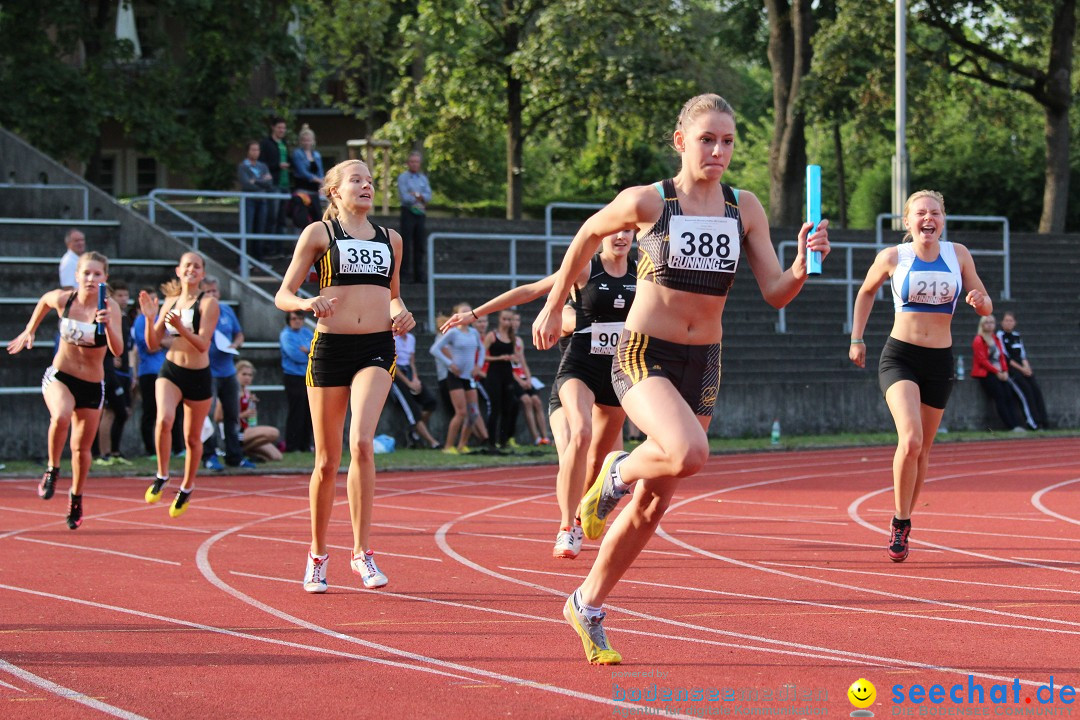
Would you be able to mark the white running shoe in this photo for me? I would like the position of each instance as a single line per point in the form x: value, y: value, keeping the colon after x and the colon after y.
x: 568, y: 543
x: 315, y: 575
x: 364, y: 565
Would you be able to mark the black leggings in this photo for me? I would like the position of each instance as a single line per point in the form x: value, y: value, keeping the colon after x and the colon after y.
x: 1000, y: 392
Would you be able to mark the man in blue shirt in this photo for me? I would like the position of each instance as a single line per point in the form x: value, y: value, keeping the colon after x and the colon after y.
x: 414, y: 193
x: 228, y: 337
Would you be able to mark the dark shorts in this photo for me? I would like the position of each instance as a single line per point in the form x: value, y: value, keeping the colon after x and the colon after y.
x: 932, y: 369
x: 194, y: 385
x: 453, y: 382
x: 88, y: 395
x: 335, y: 359
x: 594, y: 370
x: 117, y: 393
x: 425, y: 399
x: 694, y: 370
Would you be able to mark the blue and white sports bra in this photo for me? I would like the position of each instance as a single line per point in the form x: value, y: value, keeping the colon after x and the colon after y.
x: 928, y: 287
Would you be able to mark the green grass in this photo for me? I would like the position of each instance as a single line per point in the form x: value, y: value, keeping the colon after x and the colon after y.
x: 429, y: 459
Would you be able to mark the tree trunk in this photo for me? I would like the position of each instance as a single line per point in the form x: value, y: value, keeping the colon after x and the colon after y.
x: 513, y: 147
x: 841, y: 181
x: 790, y: 28
x: 1057, y: 103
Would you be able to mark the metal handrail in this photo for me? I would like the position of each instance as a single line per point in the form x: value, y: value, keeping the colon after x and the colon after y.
x: 513, y: 278
x: 154, y: 201
x: 849, y: 280
x: 570, y: 205
x: 1004, y: 253
x: 83, y: 190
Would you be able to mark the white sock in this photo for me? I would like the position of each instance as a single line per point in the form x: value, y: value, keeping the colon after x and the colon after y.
x: 588, y: 610
x: 620, y: 487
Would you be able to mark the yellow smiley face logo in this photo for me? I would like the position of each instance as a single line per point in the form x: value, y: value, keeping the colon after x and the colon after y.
x: 862, y: 693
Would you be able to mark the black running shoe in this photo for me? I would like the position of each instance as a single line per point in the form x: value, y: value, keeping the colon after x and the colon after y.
x: 47, y: 486
x: 74, y: 516
x: 898, y: 545
x: 180, y: 503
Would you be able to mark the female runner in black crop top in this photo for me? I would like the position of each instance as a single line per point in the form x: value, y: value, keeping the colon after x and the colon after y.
x: 359, y: 310
x: 73, y: 385
x: 667, y: 363
x: 191, y: 317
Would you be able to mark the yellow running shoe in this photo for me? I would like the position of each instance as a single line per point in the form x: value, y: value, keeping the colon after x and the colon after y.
x: 180, y: 503
x: 153, y: 493
x: 602, y: 497
x: 598, y: 650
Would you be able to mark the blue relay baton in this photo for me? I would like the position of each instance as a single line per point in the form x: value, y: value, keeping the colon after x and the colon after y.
x: 813, y: 214
x: 102, y: 293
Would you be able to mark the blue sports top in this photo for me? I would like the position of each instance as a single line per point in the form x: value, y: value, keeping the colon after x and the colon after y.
x: 928, y: 287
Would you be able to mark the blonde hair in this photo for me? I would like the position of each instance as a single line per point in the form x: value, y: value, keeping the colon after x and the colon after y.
x: 94, y: 256
x: 174, y: 287
x: 988, y: 337
x: 701, y: 104
x: 244, y: 365
x: 333, y: 179
x: 306, y: 131
x: 933, y: 194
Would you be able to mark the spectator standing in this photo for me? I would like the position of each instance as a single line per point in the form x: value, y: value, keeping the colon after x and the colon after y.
x: 147, y: 365
x: 307, y: 170
x: 227, y: 340
x: 412, y: 395
x: 295, y: 341
x: 76, y: 246
x: 254, y: 177
x: 275, y: 155
x: 990, y: 365
x: 414, y: 192
x: 1021, y: 376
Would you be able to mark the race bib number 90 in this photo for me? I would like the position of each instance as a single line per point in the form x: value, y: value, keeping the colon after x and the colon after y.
x: 363, y: 257
x: 931, y: 288
x: 710, y: 244
x: 605, y: 336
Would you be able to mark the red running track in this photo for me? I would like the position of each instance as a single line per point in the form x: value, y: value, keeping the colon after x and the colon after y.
x: 768, y: 587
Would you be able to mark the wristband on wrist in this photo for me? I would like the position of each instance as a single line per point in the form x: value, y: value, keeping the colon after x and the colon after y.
x: 473, y: 313
x: 857, y: 341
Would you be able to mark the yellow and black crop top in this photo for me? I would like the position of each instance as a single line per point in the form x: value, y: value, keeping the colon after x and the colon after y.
x: 698, y: 254
x: 348, y: 261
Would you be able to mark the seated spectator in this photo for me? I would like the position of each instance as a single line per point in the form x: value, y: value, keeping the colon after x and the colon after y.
x: 411, y: 395
x: 991, y: 366
x: 295, y: 341
x: 260, y: 441
x: 1021, y: 376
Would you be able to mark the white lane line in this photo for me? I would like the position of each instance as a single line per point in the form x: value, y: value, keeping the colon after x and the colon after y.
x: 538, y: 540
x: 758, y: 518
x: 1018, y: 517
x: 335, y: 547
x: 853, y: 513
x: 203, y: 563
x: 1036, y: 500
x: 811, y: 651
x: 826, y: 606
x: 67, y: 693
x: 29, y: 512
x: 1054, y: 538
x: 234, y: 633
x: 11, y: 687
x: 414, y: 509
x: 777, y: 504
x: 69, y: 546
x: 786, y: 538
x: 929, y: 578
x: 1040, y: 560
x: 157, y: 526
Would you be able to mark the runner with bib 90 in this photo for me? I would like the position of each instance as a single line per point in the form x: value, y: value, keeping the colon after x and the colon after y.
x: 692, y: 232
